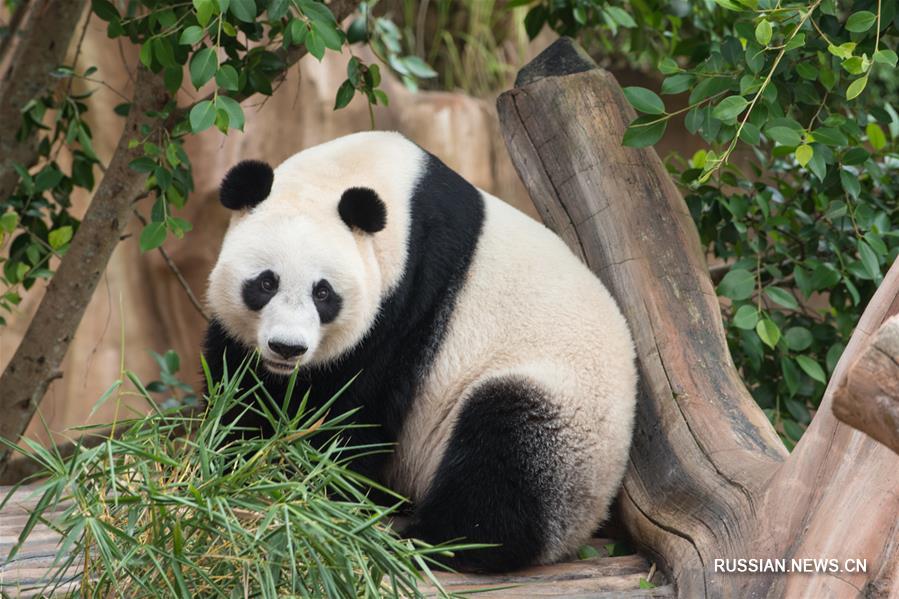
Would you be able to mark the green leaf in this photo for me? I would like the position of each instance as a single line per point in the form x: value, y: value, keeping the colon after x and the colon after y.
x: 203, y: 66
x: 750, y: 134
x: 534, y: 21
x: 804, y: 153
x: 730, y: 108
x: 833, y: 356
x: 763, y: 32
x: 244, y: 10
x: 876, y: 136
x: 798, y: 338
x: 146, y: 54
x: 784, y: 135
x: 792, y: 430
x: 330, y: 34
x: 644, y: 100
x: 202, y: 116
x: 860, y: 21
x: 226, y: 78
x: 8, y: 222
x: 191, y: 35
x: 232, y: 109
x: 768, y: 332
x: 645, y: 584
x: 797, y: 410
x: 850, y: 183
x: 811, y: 368
x: 152, y: 236
x: 172, y: 78
x: 419, y: 68
x: 746, y: 317
x: 105, y: 10
x: 644, y: 132
x: 587, y: 552
x: 59, y: 237
x: 315, y: 45
x: 738, y: 284
x: 856, y: 87
x: 869, y: 260
x: 782, y: 297
x: 843, y: 50
x: 668, y: 66
x: 345, y: 93
x: 676, y: 84
x: 621, y: 17
x: 830, y: 137
x: 710, y: 87
x: 887, y: 57
x: 204, y: 9
x: 790, y: 374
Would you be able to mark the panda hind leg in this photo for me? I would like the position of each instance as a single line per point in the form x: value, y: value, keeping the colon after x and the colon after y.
x: 499, y: 480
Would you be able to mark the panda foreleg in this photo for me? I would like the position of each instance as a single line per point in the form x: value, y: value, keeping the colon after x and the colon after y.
x: 499, y: 479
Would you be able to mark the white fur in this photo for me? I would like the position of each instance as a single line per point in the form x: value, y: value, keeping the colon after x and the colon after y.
x: 528, y: 308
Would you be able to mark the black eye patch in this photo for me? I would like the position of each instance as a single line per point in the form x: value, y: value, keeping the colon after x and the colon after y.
x: 259, y: 290
x: 327, y: 301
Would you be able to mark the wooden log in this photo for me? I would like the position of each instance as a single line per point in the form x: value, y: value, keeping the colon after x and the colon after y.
x: 708, y: 477
x: 869, y: 401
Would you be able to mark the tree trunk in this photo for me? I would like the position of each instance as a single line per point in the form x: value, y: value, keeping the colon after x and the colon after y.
x: 708, y: 477
x: 42, y: 47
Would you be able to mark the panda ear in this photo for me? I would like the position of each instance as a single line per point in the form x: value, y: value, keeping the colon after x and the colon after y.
x: 246, y: 184
x: 362, y: 208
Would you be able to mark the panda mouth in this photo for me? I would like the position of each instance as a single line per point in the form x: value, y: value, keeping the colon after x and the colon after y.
x: 279, y: 367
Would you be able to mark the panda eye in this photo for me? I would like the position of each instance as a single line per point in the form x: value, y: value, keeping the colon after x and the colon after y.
x: 268, y: 285
x: 321, y: 292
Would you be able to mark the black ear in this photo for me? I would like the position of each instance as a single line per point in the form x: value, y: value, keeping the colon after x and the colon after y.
x: 361, y: 208
x: 246, y: 184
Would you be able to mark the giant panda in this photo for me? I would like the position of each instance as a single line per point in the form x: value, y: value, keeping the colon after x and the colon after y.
x: 495, y: 363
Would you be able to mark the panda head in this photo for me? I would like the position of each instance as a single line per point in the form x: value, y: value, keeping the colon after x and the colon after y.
x: 298, y: 277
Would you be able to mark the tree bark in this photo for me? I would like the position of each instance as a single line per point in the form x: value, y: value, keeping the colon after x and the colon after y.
x: 708, y: 477
x: 41, y: 48
x: 869, y: 401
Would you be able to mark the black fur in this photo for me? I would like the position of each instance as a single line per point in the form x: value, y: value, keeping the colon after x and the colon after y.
x: 328, y: 307
x: 255, y: 295
x: 497, y: 479
x: 447, y: 214
x: 363, y: 209
x: 246, y: 184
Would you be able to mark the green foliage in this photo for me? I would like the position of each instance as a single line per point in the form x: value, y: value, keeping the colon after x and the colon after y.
x: 805, y: 219
x: 170, y: 508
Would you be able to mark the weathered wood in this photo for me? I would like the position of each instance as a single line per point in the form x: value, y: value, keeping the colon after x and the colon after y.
x: 707, y: 477
x: 869, y: 401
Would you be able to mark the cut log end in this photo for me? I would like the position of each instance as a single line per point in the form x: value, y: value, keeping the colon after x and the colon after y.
x: 869, y: 398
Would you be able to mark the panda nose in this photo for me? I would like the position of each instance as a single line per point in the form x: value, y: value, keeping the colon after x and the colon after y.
x: 287, y: 350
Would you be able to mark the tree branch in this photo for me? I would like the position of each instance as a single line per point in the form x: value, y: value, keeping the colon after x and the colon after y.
x: 198, y: 306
